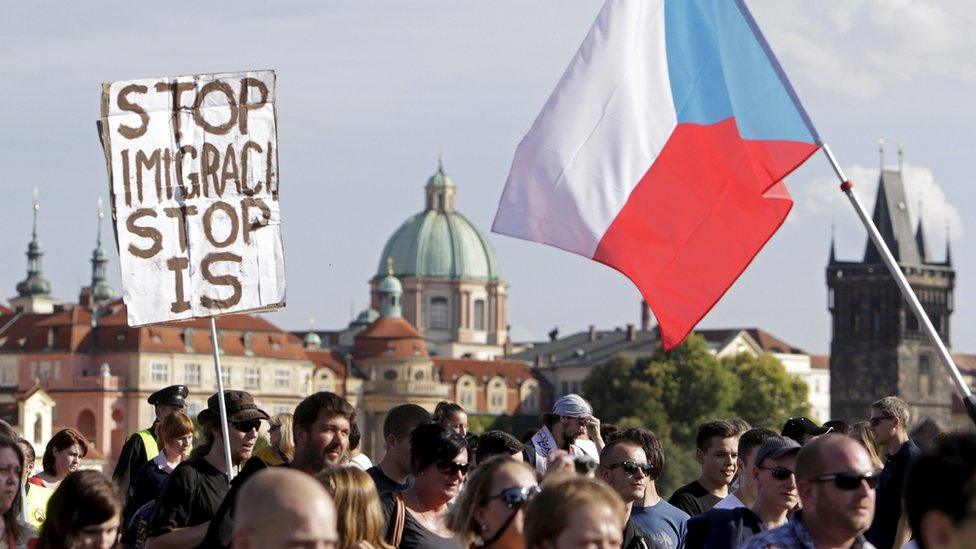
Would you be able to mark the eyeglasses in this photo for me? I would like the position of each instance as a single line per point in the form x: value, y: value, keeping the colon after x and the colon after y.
x: 515, y: 496
x: 452, y: 468
x: 850, y: 481
x: 631, y: 467
x: 779, y: 473
x: 875, y: 421
x: 247, y: 425
x: 274, y: 428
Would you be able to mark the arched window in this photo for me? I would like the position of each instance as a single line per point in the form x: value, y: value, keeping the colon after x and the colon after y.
x: 325, y: 380
x: 465, y: 390
x: 437, y: 320
x: 86, y: 425
x: 497, y: 396
x: 479, y: 314
x: 529, y: 397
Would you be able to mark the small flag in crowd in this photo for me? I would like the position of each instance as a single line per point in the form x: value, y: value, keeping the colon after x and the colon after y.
x: 661, y: 153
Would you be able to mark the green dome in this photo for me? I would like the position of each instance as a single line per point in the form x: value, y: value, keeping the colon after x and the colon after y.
x: 439, y: 244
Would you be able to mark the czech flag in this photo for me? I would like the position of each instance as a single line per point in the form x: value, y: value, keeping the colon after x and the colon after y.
x: 662, y: 152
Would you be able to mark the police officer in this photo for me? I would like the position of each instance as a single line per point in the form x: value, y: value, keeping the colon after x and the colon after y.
x: 141, y: 445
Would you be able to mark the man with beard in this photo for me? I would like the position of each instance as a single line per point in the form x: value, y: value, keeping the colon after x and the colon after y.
x: 194, y: 490
x: 571, y: 418
x: 623, y: 465
x: 836, y: 482
x: 321, y: 427
x: 718, y: 453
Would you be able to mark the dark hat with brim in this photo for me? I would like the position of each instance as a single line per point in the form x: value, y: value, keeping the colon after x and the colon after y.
x: 798, y: 427
x: 174, y: 395
x: 240, y: 407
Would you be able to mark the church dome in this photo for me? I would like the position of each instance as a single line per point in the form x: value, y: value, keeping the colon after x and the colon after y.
x: 440, y: 242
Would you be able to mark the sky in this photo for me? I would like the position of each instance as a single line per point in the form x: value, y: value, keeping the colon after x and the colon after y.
x: 370, y: 93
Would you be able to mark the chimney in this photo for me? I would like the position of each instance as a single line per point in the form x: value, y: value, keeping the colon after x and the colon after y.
x: 645, y: 316
x: 592, y: 332
x: 631, y: 333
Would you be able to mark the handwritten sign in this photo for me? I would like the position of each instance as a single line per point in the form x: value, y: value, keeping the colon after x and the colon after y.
x: 193, y: 173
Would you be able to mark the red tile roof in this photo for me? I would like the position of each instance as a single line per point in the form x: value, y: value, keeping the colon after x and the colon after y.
x: 327, y: 358
x: 70, y: 330
x: 389, y: 337
x: 820, y: 362
x: 965, y: 363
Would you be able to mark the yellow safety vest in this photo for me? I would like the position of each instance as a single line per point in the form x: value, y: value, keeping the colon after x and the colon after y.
x: 37, y: 497
x: 149, y: 442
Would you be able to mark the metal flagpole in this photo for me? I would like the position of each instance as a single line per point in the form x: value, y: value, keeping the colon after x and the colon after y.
x: 906, y: 290
x: 224, y: 430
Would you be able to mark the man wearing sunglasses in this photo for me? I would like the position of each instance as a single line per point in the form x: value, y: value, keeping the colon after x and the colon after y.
x: 775, y: 485
x: 623, y: 465
x: 889, y: 425
x: 836, y: 483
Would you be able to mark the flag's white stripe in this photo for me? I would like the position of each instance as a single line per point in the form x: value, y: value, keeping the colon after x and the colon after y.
x: 601, y: 129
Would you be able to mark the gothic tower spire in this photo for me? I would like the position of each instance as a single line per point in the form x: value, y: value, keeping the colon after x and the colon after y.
x: 34, y: 285
x: 101, y: 291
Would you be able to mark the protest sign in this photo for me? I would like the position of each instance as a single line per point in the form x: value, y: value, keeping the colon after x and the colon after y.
x: 193, y: 174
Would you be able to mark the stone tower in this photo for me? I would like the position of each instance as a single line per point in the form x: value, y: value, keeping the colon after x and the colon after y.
x: 878, y: 347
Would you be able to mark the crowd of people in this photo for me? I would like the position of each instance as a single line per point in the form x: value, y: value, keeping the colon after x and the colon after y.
x: 571, y: 483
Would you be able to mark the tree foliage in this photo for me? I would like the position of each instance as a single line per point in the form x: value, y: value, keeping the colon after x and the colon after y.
x: 672, y: 393
x: 770, y: 395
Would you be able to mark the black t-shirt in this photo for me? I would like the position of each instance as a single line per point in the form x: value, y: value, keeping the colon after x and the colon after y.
x: 190, y: 497
x: 887, y: 506
x: 221, y: 529
x: 415, y: 536
x: 693, y: 498
x: 722, y: 528
x: 385, y: 484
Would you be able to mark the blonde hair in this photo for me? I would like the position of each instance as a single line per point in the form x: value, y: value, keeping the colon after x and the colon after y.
x: 548, y: 513
x: 861, y: 432
x: 477, y: 489
x: 284, y: 422
x: 359, y: 515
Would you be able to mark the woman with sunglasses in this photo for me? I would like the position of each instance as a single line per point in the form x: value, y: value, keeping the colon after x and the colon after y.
x: 419, y: 516
x: 281, y: 447
x: 489, y: 511
x: 191, y: 496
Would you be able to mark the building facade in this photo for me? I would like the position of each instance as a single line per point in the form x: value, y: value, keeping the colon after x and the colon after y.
x: 877, y: 346
x: 453, y: 292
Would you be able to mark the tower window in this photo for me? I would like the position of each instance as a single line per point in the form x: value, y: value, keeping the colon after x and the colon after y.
x: 438, y: 314
x: 925, y: 380
x: 479, y: 314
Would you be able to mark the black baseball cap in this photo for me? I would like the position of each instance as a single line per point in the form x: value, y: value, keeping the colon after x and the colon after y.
x: 798, y: 427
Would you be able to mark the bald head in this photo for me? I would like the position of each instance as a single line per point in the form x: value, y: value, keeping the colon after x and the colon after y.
x: 281, y: 507
x: 824, y: 454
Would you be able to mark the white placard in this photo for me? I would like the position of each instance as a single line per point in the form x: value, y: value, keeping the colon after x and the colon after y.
x: 193, y: 174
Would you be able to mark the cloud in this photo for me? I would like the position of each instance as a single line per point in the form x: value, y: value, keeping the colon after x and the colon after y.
x: 860, y: 48
x: 822, y: 198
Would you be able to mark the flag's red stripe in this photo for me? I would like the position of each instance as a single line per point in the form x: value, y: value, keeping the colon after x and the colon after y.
x: 698, y: 217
